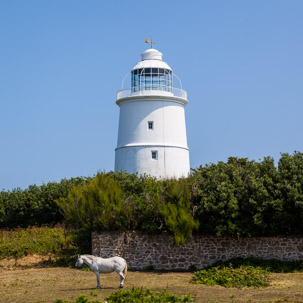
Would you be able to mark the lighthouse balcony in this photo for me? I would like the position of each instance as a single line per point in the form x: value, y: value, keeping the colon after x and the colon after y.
x: 171, y: 92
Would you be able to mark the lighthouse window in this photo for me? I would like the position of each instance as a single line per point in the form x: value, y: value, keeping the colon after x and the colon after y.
x: 150, y: 125
x: 151, y: 79
x: 154, y: 155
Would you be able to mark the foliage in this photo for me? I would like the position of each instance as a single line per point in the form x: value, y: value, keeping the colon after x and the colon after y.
x: 97, y: 205
x: 271, y: 265
x: 237, y: 198
x: 137, y: 295
x: 176, y: 209
x: 101, y: 204
x: 35, y: 205
x: 243, y: 198
x: 142, y: 194
x: 290, y: 189
x: 228, y: 276
x: 80, y: 299
x: 65, y: 244
x: 230, y: 196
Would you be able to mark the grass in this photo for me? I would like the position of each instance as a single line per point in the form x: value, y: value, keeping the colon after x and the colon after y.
x: 48, y: 284
x: 33, y: 240
x: 63, y: 244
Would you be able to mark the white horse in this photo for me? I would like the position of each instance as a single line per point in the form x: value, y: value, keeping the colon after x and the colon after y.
x: 98, y: 265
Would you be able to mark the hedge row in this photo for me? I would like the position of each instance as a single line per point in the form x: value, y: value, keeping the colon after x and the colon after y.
x: 35, y: 205
x: 118, y: 201
x: 237, y: 198
x: 247, y: 198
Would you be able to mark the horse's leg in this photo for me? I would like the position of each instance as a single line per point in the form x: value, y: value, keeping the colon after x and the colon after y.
x: 98, y: 279
x: 122, y: 278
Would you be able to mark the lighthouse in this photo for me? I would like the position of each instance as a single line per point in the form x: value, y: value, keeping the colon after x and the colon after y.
x: 152, y: 132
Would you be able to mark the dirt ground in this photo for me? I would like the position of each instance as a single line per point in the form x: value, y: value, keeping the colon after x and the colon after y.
x: 48, y: 284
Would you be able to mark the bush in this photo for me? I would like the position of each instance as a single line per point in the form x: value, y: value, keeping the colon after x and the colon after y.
x: 290, y: 193
x: 233, y: 198
x: 243, y: 198
x: 270, y: 265
x: 228, y: 276
x: 80, y: 299
x: 135, y: 295
x: 176, y: 209
x: 35, y: 205
x: 97, y: 205
x: 64, y: 244
x: 239, y: 198
x: 143, y: 195
x: 101, y: 204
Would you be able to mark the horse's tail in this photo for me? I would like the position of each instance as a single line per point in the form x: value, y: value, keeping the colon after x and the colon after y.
x: 125, y: 270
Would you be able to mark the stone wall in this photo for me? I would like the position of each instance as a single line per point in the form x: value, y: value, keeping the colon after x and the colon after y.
x: 143, y: 251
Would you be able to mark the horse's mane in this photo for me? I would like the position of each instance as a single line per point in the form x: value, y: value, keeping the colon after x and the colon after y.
x: 91, y: 257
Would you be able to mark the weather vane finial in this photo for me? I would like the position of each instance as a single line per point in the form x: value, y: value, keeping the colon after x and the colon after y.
x: 150, y: 41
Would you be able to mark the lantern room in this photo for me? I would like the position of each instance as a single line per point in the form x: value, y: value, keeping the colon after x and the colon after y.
x: 151, y: 73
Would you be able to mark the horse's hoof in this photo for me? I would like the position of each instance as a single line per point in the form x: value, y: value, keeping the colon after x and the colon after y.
x: 121, y: 286
x: 98, y: 287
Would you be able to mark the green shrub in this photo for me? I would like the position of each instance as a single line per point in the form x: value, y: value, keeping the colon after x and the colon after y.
x: 35, y: 205
x: 242, y: 198
x: 101, y: 204
x: 176, y: 209
x: 137, y: 295
x: 290, y: 193
x: 271, y: 265
x: 237, y: 198
x: 228, y: 276
x: 80, y: 299
x: 64, y: 244
x: 143, y: 195
x: 97, y: 205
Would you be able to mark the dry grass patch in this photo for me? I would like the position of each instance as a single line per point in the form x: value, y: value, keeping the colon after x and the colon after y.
x: 45, y: 285
x: 27, y: 261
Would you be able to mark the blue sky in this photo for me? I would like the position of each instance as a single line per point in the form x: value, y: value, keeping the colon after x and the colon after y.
x: 62, y: 62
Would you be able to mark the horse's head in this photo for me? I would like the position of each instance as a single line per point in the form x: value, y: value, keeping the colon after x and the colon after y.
x: 79, y: 261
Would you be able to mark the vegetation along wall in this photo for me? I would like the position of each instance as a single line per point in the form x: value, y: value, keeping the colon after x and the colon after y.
x: 239, y: 199
x: 144, y: 251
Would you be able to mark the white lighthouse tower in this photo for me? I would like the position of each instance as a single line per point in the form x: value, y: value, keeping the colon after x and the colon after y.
x: 152, y: 132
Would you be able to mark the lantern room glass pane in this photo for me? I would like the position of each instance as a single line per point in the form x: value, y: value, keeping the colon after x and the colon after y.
x: 151, y: 79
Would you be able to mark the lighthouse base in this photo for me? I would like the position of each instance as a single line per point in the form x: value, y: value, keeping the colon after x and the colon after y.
x: 157, y: 161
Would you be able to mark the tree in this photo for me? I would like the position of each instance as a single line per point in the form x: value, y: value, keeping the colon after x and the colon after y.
x: 96, y: 206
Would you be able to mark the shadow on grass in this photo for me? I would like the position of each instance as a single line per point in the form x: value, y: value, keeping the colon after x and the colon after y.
x: 89, y: 288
